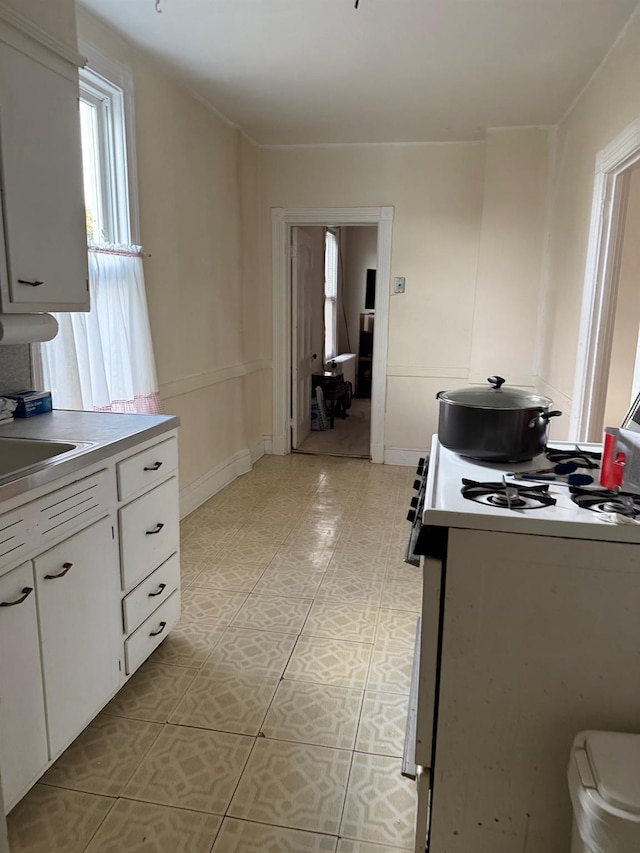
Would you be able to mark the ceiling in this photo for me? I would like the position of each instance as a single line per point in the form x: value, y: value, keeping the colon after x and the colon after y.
x: 320, y: 71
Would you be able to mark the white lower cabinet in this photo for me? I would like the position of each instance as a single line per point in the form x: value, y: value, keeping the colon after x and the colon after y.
x: 23, y: 733
x: 88, y: 606
x: 77, y: 583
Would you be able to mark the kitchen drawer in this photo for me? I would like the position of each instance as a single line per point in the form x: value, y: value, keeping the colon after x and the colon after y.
x: 14, y: 535
x: 152, y: 592
x: 66, y: 510
x: 149, y: 532
x: 147, y: 468
x: 151, y: 633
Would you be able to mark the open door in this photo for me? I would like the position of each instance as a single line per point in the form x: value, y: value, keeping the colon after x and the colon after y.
x: 302, y: 357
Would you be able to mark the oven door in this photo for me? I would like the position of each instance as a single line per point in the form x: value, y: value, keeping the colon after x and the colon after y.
x: 421, y: 719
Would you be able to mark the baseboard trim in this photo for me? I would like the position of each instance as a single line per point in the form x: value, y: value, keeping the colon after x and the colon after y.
x: 256, y: 449
x: 205, y: 487
x: 402, y: 456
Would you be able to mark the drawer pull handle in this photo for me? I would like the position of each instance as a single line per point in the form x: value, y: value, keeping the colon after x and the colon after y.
x: 31, y: 283
x: 153, y: 467
x: 157, y: 529
x: 26, y: 592
x: 159, y: 591
x: 65, y: 569
x: 163, y: 625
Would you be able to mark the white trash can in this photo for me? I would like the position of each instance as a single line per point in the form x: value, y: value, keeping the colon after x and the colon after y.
x: 604, y: 783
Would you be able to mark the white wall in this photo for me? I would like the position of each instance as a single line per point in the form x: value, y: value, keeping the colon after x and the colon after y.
x: 505, y: 318
x: 57, y: 17
x: 436, y: 191
x: 627, y: 316
x: 450, y: 207
x: 198, y: 201
x: 605, y: 108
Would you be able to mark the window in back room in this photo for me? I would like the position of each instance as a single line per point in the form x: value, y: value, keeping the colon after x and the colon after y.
x: 330, y: 295
x: 103, y: 360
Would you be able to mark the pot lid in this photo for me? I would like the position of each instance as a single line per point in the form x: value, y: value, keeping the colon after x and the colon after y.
x: 495, y: 396
x: 614, y: 758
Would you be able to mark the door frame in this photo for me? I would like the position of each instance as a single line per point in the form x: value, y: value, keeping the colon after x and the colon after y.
x: 282, y: 221
x: 606, y: 231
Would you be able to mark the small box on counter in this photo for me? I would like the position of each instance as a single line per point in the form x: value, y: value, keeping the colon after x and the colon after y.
x: 31, y: 403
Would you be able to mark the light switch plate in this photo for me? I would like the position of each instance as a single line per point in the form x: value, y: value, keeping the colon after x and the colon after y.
x: 398, y: 284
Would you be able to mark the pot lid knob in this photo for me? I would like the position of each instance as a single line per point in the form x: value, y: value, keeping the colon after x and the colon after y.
x: 496, y: 382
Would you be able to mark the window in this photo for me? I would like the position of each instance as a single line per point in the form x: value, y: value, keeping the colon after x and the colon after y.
x: 103, y: 360
x: 330, y: 295
x: 104, y: 160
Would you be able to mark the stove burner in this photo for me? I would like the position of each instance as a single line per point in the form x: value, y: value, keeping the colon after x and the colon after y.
x: 502, y: 499
x: 506, y: 495
x: 603, y: 500
x: 581, y: 458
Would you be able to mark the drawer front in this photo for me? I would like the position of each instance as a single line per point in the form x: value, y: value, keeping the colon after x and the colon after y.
x: 151, y: 633
x: 14, y: 535
x: 152, y: 592
x: 72, y: 507
x: 147, y: 468
x: 149, y: 532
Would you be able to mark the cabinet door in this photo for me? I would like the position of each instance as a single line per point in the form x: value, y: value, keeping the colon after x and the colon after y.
x: 80, y: 629
x: 42, y: 191
x: 23, y: 736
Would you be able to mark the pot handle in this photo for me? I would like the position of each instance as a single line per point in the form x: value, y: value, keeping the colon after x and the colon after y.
x: 496, y: 382
x: 546, y: 415
x: 543, y: 416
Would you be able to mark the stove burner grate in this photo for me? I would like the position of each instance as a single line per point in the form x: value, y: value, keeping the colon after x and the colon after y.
x: 582, y: 458
x: 506, y: 495
x: 603, y: 500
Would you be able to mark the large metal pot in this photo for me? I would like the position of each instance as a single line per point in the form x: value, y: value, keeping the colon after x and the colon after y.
x: 496, y: 424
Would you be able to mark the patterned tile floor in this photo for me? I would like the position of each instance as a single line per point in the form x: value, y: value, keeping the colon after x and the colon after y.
x: 272, y: 718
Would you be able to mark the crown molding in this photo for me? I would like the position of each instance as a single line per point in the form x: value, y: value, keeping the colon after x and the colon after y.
x: 29, y: 28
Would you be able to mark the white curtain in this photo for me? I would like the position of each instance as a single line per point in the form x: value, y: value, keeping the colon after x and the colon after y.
x: 103, y: 360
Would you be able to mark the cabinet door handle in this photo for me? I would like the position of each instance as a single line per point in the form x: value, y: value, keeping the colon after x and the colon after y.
x: 157, y: 529
x: 30, y: 283
x: 26, y: 592
x: 65, y: 569
x: 159, y: 591
x: 153, y: 467
x: 161, y: 628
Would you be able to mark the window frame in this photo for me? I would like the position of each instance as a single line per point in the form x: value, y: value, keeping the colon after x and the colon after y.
x: 108, y: 85
x: 103, y: 77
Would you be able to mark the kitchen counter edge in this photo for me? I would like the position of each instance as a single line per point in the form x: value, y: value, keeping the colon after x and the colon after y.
x: 107, y: 433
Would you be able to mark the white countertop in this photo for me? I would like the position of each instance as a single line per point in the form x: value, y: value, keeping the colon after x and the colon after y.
x: 101, y: 434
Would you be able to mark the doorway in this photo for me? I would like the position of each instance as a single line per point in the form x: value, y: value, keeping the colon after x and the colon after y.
x: 333, y: 276
x: 284, y: 221
x: 610, y: 289
x: 623, y: 380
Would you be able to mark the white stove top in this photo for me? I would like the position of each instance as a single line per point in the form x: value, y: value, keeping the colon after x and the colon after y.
x: 445, y: 505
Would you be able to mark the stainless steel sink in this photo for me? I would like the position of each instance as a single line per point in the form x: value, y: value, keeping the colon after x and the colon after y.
x: 16, y: 454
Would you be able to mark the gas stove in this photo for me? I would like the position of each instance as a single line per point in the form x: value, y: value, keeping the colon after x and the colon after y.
x: 467, y: 493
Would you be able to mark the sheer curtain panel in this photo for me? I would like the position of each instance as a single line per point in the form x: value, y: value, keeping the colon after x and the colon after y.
x: 103, y: 361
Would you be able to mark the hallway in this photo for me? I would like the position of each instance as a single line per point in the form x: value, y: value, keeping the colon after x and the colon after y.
x: 350, y: 436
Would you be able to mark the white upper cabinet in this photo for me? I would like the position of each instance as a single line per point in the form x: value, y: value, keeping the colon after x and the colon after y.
x: 44, y: 263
